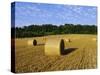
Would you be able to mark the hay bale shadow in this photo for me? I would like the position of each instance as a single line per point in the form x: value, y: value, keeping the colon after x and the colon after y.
x: 67, y: 51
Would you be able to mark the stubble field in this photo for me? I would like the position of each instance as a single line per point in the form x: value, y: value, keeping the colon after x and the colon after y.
x: 83, y: 54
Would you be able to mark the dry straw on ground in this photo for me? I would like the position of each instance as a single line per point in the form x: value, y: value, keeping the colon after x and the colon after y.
x: 94, y: 39
x: 44, y: 38
x: 32, y: 59
x: 54, y: 46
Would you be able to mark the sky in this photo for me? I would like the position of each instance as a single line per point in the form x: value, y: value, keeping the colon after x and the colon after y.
x: 27, y: 13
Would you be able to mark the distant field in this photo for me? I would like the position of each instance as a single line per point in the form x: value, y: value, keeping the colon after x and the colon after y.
x: 32, y: 58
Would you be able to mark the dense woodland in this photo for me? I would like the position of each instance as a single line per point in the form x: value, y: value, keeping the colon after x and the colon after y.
x: 49, y: 29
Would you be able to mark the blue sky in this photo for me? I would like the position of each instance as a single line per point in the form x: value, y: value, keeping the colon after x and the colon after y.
x: 39, y: 13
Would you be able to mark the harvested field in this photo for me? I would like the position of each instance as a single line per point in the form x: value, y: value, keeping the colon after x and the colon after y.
x: 81, y: 53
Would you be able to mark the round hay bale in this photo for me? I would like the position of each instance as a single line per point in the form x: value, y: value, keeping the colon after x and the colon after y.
x: 94, y: 39
x: 32, y: 42
x: 67, y: 40
x: 54, y: 46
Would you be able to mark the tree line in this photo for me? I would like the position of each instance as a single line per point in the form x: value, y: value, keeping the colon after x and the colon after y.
x: 49, y: 29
